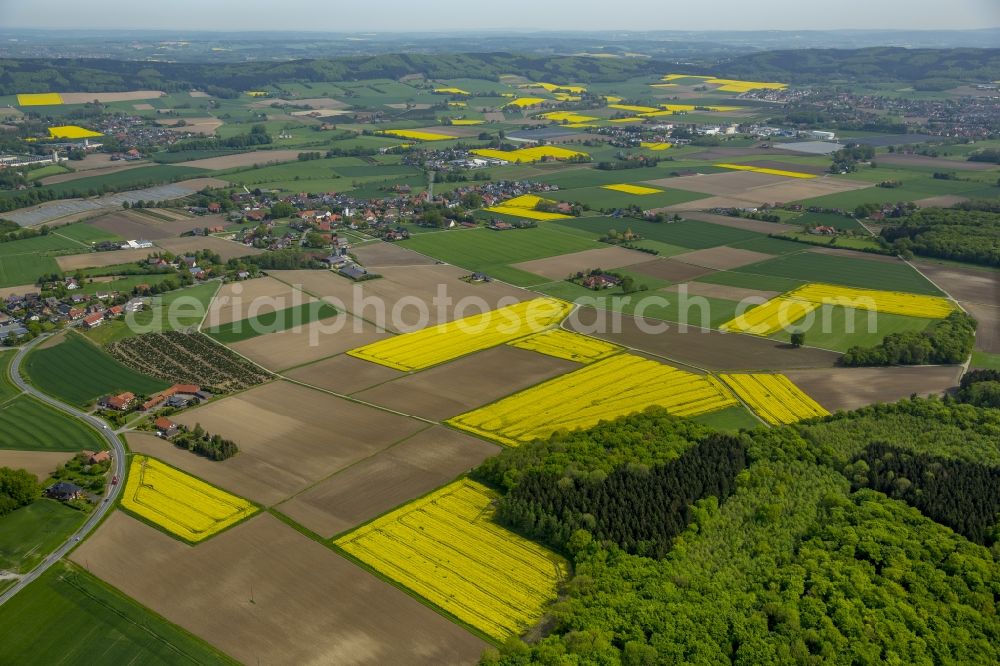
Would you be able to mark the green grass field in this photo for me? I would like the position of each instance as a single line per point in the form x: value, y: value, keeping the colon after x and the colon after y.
x: 30, y: 533
x: 84, y: 233
x: 492, y: 251
x: 815, y: 267
x: 84, y: 621
x: 30, y: 425
x: 769, y: 245
x: 828, y: 220
x: 25, y: 269
x: 141, y: 176
x: 730, y: 419
x: 78, y: 372
x: 840, y: 328
x: 691, y: 234
x: 751, y: 281
x: 271, y: 322
x: 7, y: 389
x: 985, y: 361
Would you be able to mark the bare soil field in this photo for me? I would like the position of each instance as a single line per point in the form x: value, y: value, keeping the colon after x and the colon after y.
x: 934, y: 162
x: 305, y: 344
x: 239, y: 300
x: 943, y: 201
x: 226, y: 249
x: 721, y: 258
x: 343, y: 374
x: 562, y: 266
x: 131, y: 225
x: 40, y: 463
x: 670, y: 270
x: 457, y: 131
x: 494, y: 116
x: 195, y: 125
x: 721, y: 291
x: 18, y: 291
x: 743, y: 223
x: 966, y: 285
x: 263, y: 593
x: 412, y: 468
x: 710, y: 350
x: 387, y: 254
x: 244, y: 159
x: 143, y: 107
x: 95, y: 161
x: 466, y: 383
x: 73, y: 262
x: 290, y: 437
x: 312, y: 102
x: 850, y: 388
x: 728, y: 183
x: 988, y: 332
x: 105, y: 97
x: 111, y: 167
x: 790, y: 189
x: 407, y: 290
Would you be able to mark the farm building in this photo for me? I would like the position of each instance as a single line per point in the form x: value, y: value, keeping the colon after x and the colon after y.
x: 119, y: 402
x: 64, y: 491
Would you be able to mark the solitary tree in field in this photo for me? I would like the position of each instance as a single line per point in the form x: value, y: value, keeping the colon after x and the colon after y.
x: 798, y: 339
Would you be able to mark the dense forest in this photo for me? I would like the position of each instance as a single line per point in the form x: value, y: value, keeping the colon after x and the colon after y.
x: 806, y: 561
x: 971, y: 233
x: 226, y: 79
x: 945, y: 342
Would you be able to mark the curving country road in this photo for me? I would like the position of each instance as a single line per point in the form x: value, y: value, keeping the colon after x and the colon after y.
x: 111, y: 491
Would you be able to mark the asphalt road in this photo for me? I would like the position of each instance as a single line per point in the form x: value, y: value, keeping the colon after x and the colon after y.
x: 111, y: 491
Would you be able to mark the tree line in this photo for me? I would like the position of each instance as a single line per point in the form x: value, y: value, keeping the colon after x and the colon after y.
x: 945, y: 342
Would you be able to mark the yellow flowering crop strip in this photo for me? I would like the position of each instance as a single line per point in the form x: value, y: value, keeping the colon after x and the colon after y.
x: 774, y: 315
x: 655, y: 145
x: 529, y: 154
x: 419, y: 136
x: 466, y: 121
x: 446, y: 548
x: 633, y: 108
x: 774, y: 397
x: 733, y: 85
x: 612, y: 99
x: 524, y: 102
x: 180, y: 503
x: 890, y: 302
x: 257, y: 93
x: 567, y: 116
x: 459, y: 105
x: 39, y: 99
x: 443, y: 342
x: 552, y: 88
x: 773, y: 172
x: 568, y: 345
x: 451, y: 91
x: 604, y: 390
x: 71, y: 132
x: 674, y: 77
x: 632, y: 189
x: 524, y: 206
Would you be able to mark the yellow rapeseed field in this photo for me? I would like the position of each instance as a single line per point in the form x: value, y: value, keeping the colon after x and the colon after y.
x: 529, y: 154
x: 458, y: 105
x: 39, y: 99
x: 71, y: 132
x: 773, y: 172
x: 524, y: 206
x: 733, y: 85
x: 567, y: 116
x: 446, y: 548
x: 524, y: 102
x: 466, y: 121
x: 774, y: 397
x: 655, y: 145
x: 604, y: 390
x: 419, y: 136
x: 674, y: 77
x: 612, y: 99
x: 180, y: 503
x: 451, y: 91
x: 891, y: 302
x: 632, y: 189
x: 257, y: 93
x: 633, y: 108
x: 568, y: 345
x: 551, y: 87
x: 774, y: 315
x: 443, y: 342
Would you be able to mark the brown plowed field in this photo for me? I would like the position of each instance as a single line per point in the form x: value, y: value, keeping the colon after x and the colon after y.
x: 721, y: 258
x: 72, y: 262
x: 850, y: 388
x: 412, y: 468
x: 743, y: 223
x: 966, y: 285
x: 711, y: 350
x: 239, y: 300
x: 466, y: 383
x: 726, y: 184
x: 105, y: 97
x: 263, y: 593
x: 226, y: 249
x: 853, y: 254
x: 562, y: 266
x: 305, y: 344
x: 388, y: 254
x: 670, y: 270
x: 289, y: 437
x: 129, y: 225
x: 934, y: 162
x: 343, y: 374
x: 40, y: 463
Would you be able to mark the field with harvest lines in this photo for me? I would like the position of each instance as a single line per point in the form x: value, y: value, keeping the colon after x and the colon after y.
x: 568, y: 345
x: 604, y: 390
x: 446, y: 548
x: 179, y: 503
x: 437, y: 344
x: 774, y: 397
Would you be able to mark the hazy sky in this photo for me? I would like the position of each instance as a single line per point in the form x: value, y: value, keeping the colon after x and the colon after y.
x: 416, y: 15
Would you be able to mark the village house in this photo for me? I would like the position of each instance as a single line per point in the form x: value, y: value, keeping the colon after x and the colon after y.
x: 603, y: 281
x: 64, y: 491
x: 120, y: 402
x: 93, y: 320
x: 165, y: 427
x: 93, y: 458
